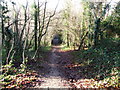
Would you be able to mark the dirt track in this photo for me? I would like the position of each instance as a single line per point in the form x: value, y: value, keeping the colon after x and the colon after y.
x: 55, y: 78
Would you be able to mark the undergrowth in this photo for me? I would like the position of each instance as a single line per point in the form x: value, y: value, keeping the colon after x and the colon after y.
x: 21, y: 77
x: 101, y: 63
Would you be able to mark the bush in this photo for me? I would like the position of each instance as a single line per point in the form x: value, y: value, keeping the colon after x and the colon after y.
x: 103, y: 62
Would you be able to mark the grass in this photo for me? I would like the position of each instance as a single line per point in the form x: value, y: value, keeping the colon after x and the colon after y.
x: 65, y: 48
x: 46, y: 48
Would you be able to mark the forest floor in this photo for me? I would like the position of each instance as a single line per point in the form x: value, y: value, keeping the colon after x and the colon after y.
x: 55, y: 77
x: 52, y: 72
x: 60, y: 68
x: 58, y: 71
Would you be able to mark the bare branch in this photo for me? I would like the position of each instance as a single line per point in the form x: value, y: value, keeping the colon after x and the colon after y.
x: 25, y: 21
x: 44, y: 17
x: 50, y: 19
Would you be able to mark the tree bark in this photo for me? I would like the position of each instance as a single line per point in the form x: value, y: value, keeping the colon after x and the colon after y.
x: 3, y: 35
x: 82, y: 41
x: 35, y: 27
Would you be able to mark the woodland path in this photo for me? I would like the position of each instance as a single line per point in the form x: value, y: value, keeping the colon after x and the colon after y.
x: 59, y: 72
x: 55, y: 78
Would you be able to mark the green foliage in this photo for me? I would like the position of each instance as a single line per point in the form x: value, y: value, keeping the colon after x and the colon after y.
x: 102, y: 63
x: 23, y: 66
x: 8, y: 69
x: 112, y: 23
x: 45, y: 49
x: 3, y: 56
x: 65, y: 47
x: 9, y: 74
x: 16, y: 80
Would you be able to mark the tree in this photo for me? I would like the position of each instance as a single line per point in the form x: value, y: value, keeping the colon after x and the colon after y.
x: 99, y: 15
x: 35, y: 24
x: 111, y: 23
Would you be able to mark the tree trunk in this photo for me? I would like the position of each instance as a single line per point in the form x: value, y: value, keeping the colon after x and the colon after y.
x: 35, y: 27
x: 82, y: 41
x: 68, y: 39
x: 3, y: 35
x: 96, y: 32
